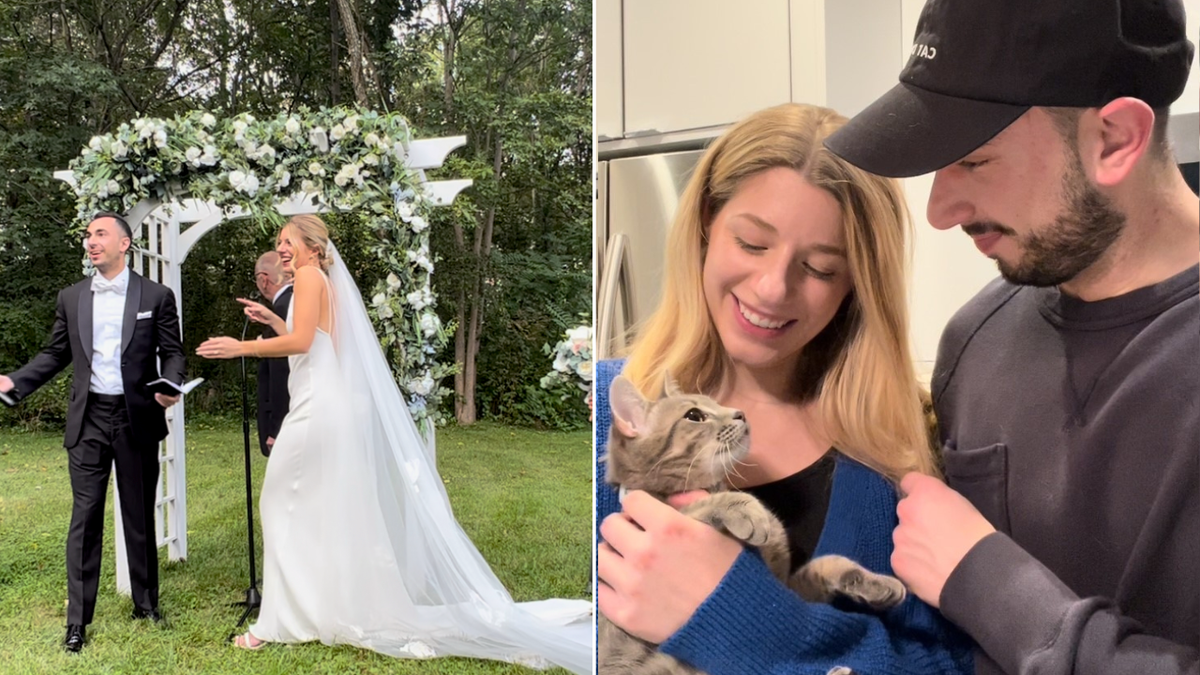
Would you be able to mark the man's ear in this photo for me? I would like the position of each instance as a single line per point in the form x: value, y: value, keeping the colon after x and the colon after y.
x: 628, y: 407
x: 1114, y: 139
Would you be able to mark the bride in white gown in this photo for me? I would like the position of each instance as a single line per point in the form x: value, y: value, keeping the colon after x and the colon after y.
x: 360, y: 545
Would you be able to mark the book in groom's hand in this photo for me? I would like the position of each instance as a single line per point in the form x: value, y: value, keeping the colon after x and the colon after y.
x: 168, y: 388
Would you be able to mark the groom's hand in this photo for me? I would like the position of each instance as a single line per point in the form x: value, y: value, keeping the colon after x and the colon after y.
x: 166, y: 401
x: 6, y: 384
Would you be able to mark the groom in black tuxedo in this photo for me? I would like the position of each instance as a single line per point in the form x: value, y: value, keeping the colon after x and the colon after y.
x: 115, y: 328
x: 273, y: 399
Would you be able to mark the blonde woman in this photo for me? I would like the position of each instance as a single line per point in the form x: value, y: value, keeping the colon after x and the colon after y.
x: 785, y: 298
x: 360, y: 545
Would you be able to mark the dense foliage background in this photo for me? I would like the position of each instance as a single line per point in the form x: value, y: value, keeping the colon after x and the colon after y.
x: 514, y: 76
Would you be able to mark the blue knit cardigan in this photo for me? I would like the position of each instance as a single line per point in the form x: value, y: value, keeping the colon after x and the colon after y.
x: 753, y: 624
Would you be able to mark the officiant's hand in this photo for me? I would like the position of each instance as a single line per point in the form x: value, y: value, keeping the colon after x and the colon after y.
x: 220, y: 348
x: 258, y: 312
x: 6, y: 384
x: 166, y: 401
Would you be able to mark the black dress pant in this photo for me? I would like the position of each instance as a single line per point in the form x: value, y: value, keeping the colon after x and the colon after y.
x: 107, y: 436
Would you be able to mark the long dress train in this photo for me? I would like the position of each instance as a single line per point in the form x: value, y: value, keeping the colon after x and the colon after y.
x: 360, y: 545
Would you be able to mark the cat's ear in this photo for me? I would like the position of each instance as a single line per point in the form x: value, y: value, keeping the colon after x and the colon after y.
x: 628, y: 407
x: 670, y: 386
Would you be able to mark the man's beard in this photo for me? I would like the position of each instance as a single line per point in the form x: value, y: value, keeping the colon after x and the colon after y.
x: 1079, y: 236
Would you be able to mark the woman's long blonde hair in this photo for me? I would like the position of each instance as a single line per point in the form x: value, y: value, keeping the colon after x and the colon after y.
x: 859, y: 367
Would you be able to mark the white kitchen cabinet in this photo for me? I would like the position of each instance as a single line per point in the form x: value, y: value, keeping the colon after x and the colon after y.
x: 690, y: 64
x: 609, y: 97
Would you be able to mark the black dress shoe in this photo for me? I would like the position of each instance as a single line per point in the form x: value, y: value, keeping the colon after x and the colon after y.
x: 76, y: 636
x: 152, y: 614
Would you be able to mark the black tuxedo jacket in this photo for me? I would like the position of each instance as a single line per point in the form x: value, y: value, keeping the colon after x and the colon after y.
x: 143, y: 342
x: 273, y: 398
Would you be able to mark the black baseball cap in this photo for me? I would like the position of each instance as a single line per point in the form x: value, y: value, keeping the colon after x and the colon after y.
x: 978, y: 65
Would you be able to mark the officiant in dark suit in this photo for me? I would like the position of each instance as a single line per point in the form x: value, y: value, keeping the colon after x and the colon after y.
x: 275, y: 285
x: 115, y: 328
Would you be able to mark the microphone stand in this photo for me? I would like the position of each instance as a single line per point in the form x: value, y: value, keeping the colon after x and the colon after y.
x: 253, y: 599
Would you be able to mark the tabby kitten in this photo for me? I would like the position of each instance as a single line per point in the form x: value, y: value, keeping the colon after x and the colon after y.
x: 687, y: 442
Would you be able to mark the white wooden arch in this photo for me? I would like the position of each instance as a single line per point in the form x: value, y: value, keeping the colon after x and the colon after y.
x: 167, y: 246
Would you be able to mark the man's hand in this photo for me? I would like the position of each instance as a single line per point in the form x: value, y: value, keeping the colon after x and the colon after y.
x: 166, y: 401
x: 6, y: 384
x: 938, y: 527
x: 270, y: 441
x: 657, y: 565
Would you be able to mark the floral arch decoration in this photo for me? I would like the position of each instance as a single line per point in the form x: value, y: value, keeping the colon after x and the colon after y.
x: 343, y: 159
x: 201, y: 170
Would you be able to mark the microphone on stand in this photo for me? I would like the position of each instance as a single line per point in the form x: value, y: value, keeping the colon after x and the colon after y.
x: 253, y: 599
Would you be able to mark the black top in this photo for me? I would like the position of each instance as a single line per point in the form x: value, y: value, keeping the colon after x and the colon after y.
x: 800, y: 501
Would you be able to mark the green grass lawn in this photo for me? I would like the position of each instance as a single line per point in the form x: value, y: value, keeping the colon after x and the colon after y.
x: 524, y: 498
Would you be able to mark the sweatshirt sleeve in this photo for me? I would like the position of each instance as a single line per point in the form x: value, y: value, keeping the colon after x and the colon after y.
x: 752, y: 623
x: 1028, y: 621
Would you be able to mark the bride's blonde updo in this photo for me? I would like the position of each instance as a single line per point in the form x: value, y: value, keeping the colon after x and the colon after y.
x: 311, y: 230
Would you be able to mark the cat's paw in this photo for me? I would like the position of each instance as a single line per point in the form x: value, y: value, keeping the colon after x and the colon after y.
x: 740, y: 515
x: 824, y: 578
x: 876, y: 591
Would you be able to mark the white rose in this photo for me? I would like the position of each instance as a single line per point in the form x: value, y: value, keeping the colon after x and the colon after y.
x: 419, y: 224
x: 208, y: 120
x: 393, y: 281
x: 579, y: 333
x: 209, y: 157
x: 266, y: 154
x: 308, y: 186
x: 337, y: 132
x: 316, y: 169
x: 239, y: 129
x: 119, y: 150
x: 379, y: 299
x: 371, y: 140
x: 430, y: 324
x: 193, y: 156
x: 285, y: 179
x: 350, y: 124
x: 386, y: 312
x: 291, y: 126
x: 561, y: 364
x: 318, y: 139
x: 404, y: 210
x: 160, y: 138
x: 95, y: 143
x: 237, y: 179
x: 139, y: 124
x: 371, y: 160
x: 112, y: 187
x: 584, y: 370
x: 416, y: 300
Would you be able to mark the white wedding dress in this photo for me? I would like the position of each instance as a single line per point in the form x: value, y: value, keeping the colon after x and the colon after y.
x: 360, y: 545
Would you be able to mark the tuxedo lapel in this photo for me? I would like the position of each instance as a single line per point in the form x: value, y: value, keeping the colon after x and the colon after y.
x: 133, y: 300
x: 85, y: 321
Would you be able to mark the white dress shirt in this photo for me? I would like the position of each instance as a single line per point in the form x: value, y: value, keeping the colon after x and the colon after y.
x: 108, y: 318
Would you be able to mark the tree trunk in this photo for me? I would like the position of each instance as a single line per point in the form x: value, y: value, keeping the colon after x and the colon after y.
x: 358, y: 53
x: 335, y: 87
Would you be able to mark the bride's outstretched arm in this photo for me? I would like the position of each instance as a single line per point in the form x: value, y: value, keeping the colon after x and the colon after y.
x: 307, y: 297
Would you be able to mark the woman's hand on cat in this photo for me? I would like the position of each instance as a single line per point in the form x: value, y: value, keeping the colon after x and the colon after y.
x: 938, y: 527
x: 657, y: 565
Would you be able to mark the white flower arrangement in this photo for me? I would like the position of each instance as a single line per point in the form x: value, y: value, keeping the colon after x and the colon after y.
x: 347, y: 158
x: 572, y: 360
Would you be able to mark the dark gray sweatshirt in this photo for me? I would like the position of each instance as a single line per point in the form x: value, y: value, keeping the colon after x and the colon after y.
x: 1074, y: 427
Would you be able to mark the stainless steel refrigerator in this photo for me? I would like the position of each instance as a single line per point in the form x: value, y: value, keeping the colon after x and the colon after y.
x: 635, y: 203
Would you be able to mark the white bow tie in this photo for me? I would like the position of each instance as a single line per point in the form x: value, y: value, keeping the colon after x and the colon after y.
x: 102, y: 285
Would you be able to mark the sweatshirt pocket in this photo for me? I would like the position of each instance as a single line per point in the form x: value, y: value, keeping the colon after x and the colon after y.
x: 981, y: 475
